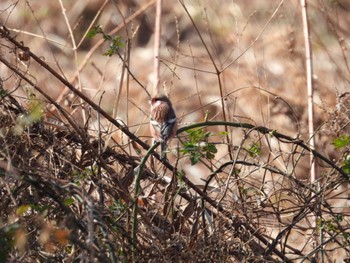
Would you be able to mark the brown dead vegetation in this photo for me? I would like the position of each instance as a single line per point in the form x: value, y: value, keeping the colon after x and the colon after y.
x: 77, y: 183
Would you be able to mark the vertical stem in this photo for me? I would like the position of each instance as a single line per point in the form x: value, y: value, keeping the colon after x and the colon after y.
x: 100, y: 149
x: 75, y: 55
x: 138, y: 172
x: 157, y: 34
x: 310, y: 91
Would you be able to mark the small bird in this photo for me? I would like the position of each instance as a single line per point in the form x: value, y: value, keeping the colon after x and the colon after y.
x: 163, y: 123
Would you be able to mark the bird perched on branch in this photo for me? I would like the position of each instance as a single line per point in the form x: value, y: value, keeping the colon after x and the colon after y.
x: 163, y: 122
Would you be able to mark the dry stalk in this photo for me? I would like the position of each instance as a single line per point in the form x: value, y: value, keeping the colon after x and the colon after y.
x: 310, y: 103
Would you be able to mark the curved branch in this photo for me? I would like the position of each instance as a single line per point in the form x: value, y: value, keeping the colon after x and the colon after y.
x: 261, y: 129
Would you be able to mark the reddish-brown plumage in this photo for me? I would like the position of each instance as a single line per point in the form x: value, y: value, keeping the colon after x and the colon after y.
x: 163, y: 121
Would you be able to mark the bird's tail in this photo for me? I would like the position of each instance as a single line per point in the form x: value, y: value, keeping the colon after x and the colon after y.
x: 163, y: 150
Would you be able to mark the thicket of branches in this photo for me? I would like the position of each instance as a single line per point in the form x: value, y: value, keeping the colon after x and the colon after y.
x: 80, y: 182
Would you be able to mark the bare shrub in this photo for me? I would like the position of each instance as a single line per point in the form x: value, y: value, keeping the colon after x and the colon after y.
x: 79, y: 181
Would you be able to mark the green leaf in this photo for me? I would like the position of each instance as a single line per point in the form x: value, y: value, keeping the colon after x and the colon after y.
x: 339, y: 218
x: 197, y: 146
x: 94, y: 31
x: 196, y: 135
x: 341, y: 141
x: 254, y: 150
x: 272, y: 133
x: 39, y: 208
x: 23, y: 209
x: 346, y: 168
x: 188, y: 147
x: 209, y: 155
x: 68, y: 201
x: 116, y: 43
x: 195, y: 157
x: 36, y: 111
x: 3, y: 92
x: 224, y: 133
x: 207, y: 134
x: 212, y: 148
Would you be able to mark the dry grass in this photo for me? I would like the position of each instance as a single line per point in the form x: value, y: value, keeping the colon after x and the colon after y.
x: 78, y: 181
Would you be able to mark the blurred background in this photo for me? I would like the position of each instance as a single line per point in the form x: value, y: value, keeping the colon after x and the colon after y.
x: 251, y: 54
